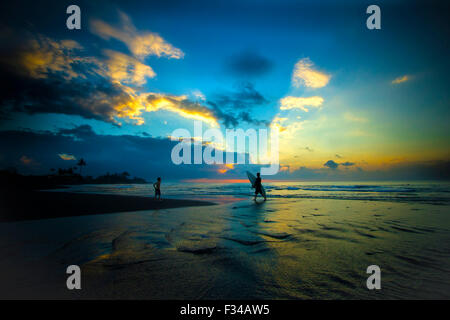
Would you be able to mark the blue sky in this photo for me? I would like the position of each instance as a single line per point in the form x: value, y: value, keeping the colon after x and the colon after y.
x: 377, y: 99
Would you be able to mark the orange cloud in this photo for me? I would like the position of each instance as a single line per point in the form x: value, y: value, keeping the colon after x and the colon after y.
x: 401, y: 79
x: 44, y: 55
x: 66, y: 156
x: 182, y: 106
x: 226, y: 167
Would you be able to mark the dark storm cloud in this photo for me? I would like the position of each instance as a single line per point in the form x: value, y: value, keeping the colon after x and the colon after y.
x: 83, y: 131
x: 331, y: 164
x: 232, y: 108
x: 245, y: 116
x: 68, y: 87
x: 249, y: 64
x: 54, y: 95
x: 245, y: 97
x: 231, y: 120
x: 102, y: 153
x: 226, y: 118
x: 334, y: 165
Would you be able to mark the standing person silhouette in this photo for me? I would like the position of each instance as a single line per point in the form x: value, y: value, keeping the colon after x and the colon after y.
x: 157, y: 186
x: 258, y: 187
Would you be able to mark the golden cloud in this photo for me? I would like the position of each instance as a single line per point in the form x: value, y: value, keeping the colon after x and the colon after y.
x: 291, y: 102
x: 44, y: 58
x: 305, y: 75
x: 44, y: 55
x: 125, y: 69
x: 182, y: 106
x: 139, y: 44
x: 136, y: 103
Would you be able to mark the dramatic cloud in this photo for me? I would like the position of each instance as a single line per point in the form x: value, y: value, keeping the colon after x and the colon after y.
x: 249, y: 64
x: 226, y: 106
x: 145, y: 157
x: 127, y: 70
x: 245, y: 97
x: 305, y: 75
x: 246, y: 116
x: 231, y: 120
x: 48, y: 76
x: 301, y: 103
x: 182, y: 106
x: 44, y: 56
x: 401, y: 79
x: 331, y: 164
x: 92, y: 98
x: 140, y: 44
x: 347, y: 164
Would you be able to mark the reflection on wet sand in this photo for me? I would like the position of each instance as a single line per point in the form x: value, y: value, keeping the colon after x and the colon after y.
x: 279, y: 249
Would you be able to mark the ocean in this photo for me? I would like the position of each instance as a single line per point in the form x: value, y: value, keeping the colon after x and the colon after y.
x: 414, y: 192
x: 309, y: 240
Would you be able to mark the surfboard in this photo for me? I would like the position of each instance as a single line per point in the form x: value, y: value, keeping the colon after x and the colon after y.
x: 252, y: 179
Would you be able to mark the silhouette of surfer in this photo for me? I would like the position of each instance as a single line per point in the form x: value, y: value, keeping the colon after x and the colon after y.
x: 258, y: 187
x: 157, y: 186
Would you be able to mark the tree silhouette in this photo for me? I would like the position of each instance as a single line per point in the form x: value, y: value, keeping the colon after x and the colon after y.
x: 81, y: 163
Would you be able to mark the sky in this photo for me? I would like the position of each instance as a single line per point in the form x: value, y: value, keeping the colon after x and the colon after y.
x: 348, y: 103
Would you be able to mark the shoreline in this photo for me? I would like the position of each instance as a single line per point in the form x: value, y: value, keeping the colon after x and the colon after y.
x: 37, y: 205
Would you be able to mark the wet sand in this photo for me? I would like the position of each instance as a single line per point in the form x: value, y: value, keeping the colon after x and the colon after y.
x: 280, y: 249
x: 35, y: 205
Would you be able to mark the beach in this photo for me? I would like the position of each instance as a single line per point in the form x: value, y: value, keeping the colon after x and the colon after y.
x: 35, y: 205
x: 284, y: 248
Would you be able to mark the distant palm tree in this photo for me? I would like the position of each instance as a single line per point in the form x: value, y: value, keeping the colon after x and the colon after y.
x: 81, y: 163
